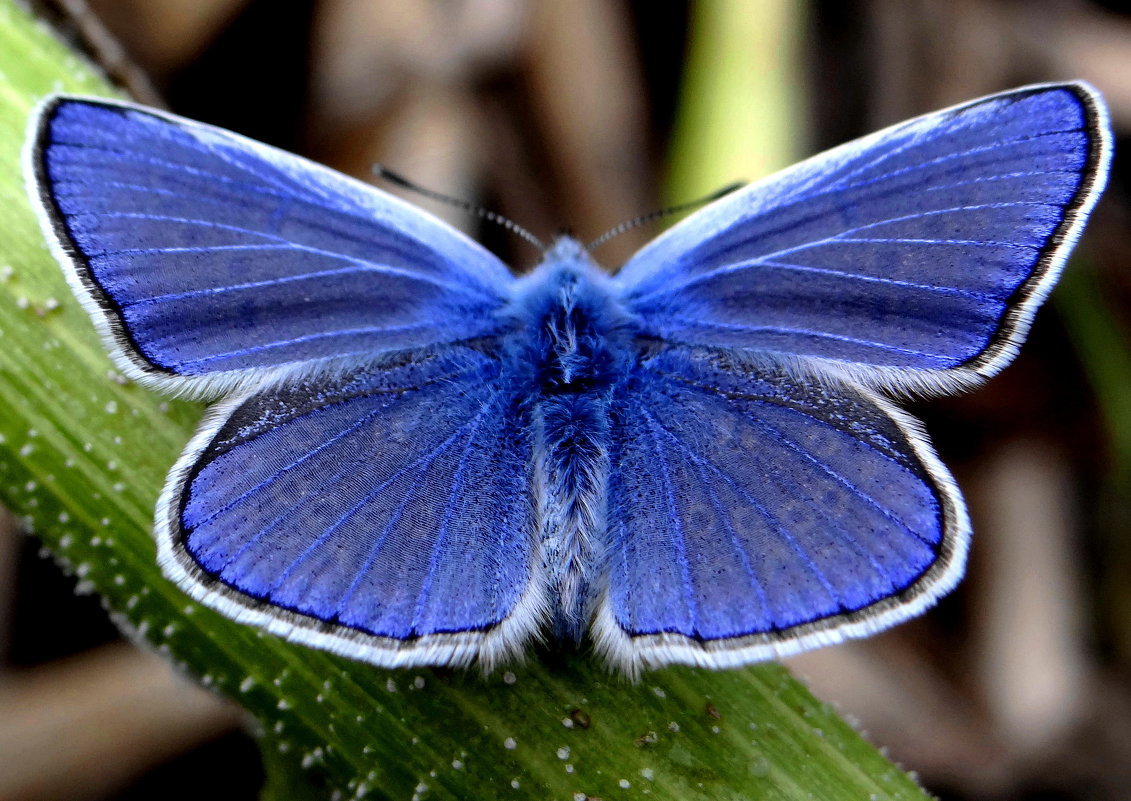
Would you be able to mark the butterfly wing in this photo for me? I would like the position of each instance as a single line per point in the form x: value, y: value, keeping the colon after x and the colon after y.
x: 915, y: 257
x: 767, y: 499
x: 383, y: 514
x: 755, y: 513
x: 365, y: 488
x: 208, y: 258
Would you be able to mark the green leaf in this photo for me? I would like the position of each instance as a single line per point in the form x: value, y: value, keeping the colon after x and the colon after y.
x: 83, y: 454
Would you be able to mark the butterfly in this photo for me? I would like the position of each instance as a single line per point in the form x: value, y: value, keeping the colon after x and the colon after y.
x: 417, y: 458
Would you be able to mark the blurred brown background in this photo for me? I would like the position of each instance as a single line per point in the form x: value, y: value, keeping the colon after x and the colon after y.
x: 562, y: 114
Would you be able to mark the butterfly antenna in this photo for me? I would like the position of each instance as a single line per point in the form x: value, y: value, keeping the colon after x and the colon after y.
x: 381, y: 171
x: 664, y: 212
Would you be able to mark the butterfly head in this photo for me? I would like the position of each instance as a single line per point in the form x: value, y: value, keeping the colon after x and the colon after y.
x: 567, y: 249
x: 568, y: 321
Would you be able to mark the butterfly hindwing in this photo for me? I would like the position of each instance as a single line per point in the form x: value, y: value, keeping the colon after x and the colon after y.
x: 915, y: 256
x: 207, y: 257
x: 383, y: 513
x: 755, y: 513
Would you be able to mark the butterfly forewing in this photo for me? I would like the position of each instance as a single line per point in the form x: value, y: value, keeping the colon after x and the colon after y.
x: 921, y: 249
x: 208, y: 257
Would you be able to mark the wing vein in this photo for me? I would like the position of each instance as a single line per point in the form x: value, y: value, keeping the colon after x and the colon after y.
x: 441, y: 536
x: 246, y: 185
x: 912, y: 143
x: 282, y: 343
x: 763, y: 329
x: 874, y: 279
x: 290, y: 511
x: 837, y: 237
x: 739, y: 548
x: 371, y: 557
x: 782, y: 439
x: 348, y: 431
x: 679, y: 541
x: 770, y: 518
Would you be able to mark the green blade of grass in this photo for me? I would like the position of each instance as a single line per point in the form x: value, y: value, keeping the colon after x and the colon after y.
x: 82, y: 457
x: 741, y: 102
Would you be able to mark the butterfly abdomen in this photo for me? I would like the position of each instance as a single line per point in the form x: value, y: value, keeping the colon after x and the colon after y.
x: 572, y: 338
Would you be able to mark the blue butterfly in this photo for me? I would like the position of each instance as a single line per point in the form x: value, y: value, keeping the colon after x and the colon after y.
x: 417, y: 458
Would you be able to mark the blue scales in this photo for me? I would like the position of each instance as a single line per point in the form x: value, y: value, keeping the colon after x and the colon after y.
x: 415, y: 457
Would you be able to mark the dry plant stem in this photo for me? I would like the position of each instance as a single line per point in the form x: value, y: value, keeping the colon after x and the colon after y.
x: 84, y: 727
x: 393, y: 83
x: 1086, y: 42
x: 9, y: 559
x: 166, y: 36
x: 519, y: 184
x: 1033, y: 665
x: 587, y: 91
x: 367, y: 52
x: 929, y: 55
